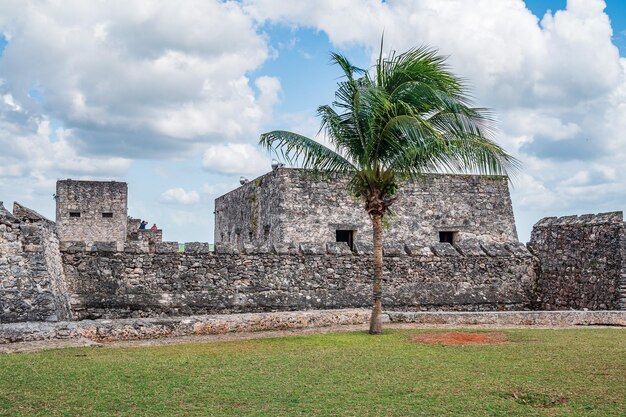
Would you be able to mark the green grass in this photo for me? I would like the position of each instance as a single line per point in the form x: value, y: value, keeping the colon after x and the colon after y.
x: 570, y: 372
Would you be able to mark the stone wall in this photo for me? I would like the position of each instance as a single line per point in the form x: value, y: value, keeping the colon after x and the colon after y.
x: 290, y: 206
x: 89, y: 332
x: 580, y: 261
x: 622, y: 284
x: 93, y: 211
x: 104, y: 283
x: 251, y: 212
x: 32, y: 286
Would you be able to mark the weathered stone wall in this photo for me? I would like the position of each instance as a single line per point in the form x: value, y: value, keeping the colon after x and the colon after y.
x: 108, y: 284
x: 251, y: 212
x: 296, y: 206
x: 94, y: 201
x: 32, y: 286
x: 580, y: 261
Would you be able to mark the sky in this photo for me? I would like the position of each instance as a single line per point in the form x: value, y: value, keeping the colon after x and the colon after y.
x: 171, y: 97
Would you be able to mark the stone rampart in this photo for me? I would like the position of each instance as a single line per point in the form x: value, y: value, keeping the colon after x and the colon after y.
x: 32, y: 286
x: 105, y: 283
x: 580, y: 261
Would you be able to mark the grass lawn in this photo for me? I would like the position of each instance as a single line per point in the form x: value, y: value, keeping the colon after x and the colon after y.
x: 573, y: 372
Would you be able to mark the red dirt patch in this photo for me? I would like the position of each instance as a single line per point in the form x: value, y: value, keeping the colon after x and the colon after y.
x: 460, y: 338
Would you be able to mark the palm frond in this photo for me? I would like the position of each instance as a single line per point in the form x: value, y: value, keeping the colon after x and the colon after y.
x: 412, y: 116
x: 295, y: 148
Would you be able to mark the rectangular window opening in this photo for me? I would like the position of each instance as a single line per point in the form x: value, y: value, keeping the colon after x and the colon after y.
x: 447, y: 237
x: 345, y: 236
x: 75, y: 214
x: 107, y: 215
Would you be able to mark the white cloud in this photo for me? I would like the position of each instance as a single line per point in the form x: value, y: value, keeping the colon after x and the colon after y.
x: 29, y: 152
x: 180, y: 196
x: 556, y: 82
x: 138, y: 77
x: 235, y: 158
x: 87, y: 88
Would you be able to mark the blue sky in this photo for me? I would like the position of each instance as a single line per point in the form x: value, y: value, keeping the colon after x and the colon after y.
x: 172, y: 97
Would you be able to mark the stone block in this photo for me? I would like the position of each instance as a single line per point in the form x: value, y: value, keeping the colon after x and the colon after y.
x: 545, y: 222
x: 444, y: 249
x: 29, y: 229
x: 414, y: 249
x: 252, y: 249
x: 495, y: 249
x: 225, y: 248
x: 248, y: 249
x: 338, y: 248
x: 470, y: 247
x: 197, y: 248
x: 585, y: 218
x: 610, y: 217
x: 285, y: 249
x: 565, y: 220
x: 136, y: 247
x: 104, y: 247
x: 32, y: 248
x: 264, y: 249
x: 517, y: 249
x: 394, y: 249
x: 308, y: 248
x: 363, y: 248
x: 73, y: 246
x: 166, y: 247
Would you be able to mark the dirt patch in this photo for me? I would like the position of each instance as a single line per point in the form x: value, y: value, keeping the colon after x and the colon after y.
x: 460, y: 338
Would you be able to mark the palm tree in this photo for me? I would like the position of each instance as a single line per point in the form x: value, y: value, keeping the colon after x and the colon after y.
x: 407, y: 116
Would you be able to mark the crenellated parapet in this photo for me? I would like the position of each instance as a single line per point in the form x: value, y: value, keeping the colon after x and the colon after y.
x: 171, y: 281
x: 463, y: 249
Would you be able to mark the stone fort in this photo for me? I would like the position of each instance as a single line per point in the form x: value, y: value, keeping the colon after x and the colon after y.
x: 289, y: 206
x: 291, y: 240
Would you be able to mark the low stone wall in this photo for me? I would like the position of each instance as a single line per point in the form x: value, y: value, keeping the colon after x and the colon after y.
x: 512, y: 318
x: 104, y: 283
x: 32, y: 286
x: 580, y: 261
x: 150, y: 328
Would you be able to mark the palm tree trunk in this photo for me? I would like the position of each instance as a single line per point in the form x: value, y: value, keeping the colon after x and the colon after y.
x: 376, y: 325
